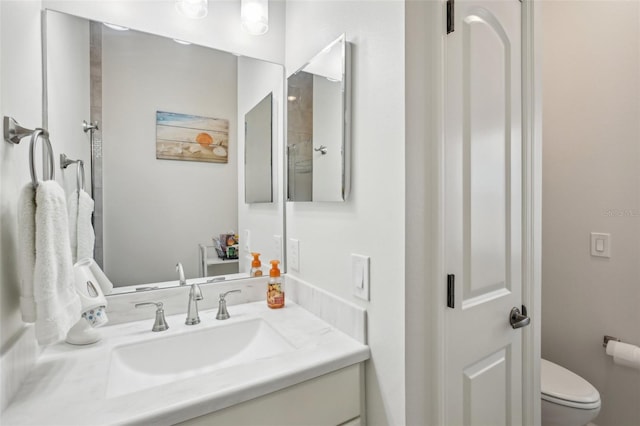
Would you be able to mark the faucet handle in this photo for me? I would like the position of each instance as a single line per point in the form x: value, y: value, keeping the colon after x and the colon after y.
x: 223, y: 295
x: 161, y: 323
x: 223, y: 314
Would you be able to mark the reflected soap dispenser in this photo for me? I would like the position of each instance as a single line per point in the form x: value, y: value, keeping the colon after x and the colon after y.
x: 275, y: 288
x: 256, y: 266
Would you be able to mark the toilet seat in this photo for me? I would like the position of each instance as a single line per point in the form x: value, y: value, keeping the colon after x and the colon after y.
x: 563, y: 387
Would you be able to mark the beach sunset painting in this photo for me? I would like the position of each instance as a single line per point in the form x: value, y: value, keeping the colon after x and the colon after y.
x: 191, y: 138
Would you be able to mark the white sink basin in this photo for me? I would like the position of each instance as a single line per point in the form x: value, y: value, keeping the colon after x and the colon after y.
x: 172, y: 357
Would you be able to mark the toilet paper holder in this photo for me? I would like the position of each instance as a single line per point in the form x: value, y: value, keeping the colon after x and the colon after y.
x: 607, y: 338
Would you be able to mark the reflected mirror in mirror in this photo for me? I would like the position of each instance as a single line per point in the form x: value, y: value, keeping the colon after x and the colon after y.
x: 318, y: 133
x: 151, y: 213
x: 257, y: 152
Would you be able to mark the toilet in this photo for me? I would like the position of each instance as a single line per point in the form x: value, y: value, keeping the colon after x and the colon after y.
x: 567, y: 399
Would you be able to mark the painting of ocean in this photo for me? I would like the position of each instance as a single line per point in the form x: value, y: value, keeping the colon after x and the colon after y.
x: 191, y: 138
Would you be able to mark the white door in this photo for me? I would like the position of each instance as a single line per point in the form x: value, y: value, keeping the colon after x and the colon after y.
x: 483, y: 135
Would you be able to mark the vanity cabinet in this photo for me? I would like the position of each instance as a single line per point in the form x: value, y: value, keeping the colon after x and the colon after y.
x: 332, y: 399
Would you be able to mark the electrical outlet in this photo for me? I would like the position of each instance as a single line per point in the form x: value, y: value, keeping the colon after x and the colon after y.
x: 294, y: 254
x: 360, y: 275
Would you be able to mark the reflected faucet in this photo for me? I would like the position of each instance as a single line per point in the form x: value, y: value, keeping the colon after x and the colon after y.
x: 180, y: 271
x: 195, y: 294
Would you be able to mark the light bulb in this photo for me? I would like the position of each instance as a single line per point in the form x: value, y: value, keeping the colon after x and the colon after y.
x: 254, y: 15
x: 194, y: 9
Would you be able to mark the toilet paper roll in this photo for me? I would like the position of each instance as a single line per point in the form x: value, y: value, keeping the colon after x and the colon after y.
x: 624, y: 354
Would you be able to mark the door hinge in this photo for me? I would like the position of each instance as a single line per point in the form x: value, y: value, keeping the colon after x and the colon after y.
x: 451, y: 291
x: 450, y: 16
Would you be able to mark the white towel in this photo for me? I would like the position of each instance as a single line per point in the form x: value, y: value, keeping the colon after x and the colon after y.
x: 57, y: 304
x: 27, y: 250
x: 81, y: 231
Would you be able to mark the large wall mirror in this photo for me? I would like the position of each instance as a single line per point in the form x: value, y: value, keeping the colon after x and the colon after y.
x: 318, y: 126
x: 166, y: 161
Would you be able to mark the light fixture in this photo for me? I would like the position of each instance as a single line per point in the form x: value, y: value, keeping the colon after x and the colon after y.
x: 115, y: 27
x: 194, y: 9
x: 254, y: 15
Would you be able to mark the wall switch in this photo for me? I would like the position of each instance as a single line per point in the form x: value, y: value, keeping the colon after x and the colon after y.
x: 294, y: 254
x: 360, y: 275
x: 247, y: 241
x: 277, y: 247
x: 600, y: 244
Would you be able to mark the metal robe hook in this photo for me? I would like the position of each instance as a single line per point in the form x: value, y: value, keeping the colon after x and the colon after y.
x: 86, y: 127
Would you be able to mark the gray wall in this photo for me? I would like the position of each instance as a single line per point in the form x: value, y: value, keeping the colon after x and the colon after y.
x: 156, y: 212
x: 591, y: 111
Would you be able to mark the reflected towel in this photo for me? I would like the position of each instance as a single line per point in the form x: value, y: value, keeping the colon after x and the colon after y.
x: 81, y: 231
x: 57, y: 304
x: 27, y: 250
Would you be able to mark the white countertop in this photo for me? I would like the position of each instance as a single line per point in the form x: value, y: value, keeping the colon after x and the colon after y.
x: 69, y: 383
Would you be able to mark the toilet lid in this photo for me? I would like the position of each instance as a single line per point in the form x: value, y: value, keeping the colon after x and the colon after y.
x: 561, y: 386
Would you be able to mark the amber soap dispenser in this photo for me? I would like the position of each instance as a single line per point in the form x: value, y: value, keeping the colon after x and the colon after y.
x: 275, y: 288
x: 256, y: 266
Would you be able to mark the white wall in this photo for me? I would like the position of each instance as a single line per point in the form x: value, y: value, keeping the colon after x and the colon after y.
x: 591, y: 116
x: 263, y: 220
x: 156, y: 212
x: 20, y: 98
x: 371, y: 222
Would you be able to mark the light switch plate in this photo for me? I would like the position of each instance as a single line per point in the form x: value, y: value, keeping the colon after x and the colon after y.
x: 360, y: 275
x: 247, y: 241
x: 294, y: 254
x: 600, y: 244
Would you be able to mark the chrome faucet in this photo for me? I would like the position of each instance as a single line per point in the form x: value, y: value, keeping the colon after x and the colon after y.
x: 223, y: 314
x: 195, y: 294
x: 180, y: 271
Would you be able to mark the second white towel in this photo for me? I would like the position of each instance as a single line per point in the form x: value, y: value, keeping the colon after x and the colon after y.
x: 81, y: 233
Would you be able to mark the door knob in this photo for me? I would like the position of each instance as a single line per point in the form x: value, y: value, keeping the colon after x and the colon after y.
x: 519, y: 319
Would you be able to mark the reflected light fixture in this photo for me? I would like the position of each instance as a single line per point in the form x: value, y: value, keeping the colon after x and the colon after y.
x: 186, y: 43
x: 254, y: 15
x: 194, y: 9
x: 115, y: 27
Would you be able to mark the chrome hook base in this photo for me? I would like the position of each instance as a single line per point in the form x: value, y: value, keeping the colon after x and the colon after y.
x: 14, y: 132
x: 86, y: 127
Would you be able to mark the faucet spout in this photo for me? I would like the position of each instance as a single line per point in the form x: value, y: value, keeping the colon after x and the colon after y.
x: 180, y: 271
x: 195, y: 294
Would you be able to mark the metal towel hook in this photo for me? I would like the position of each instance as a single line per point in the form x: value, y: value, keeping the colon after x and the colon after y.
x: 40, y: 134
x: 66, y: 161
x: 14, y: 133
